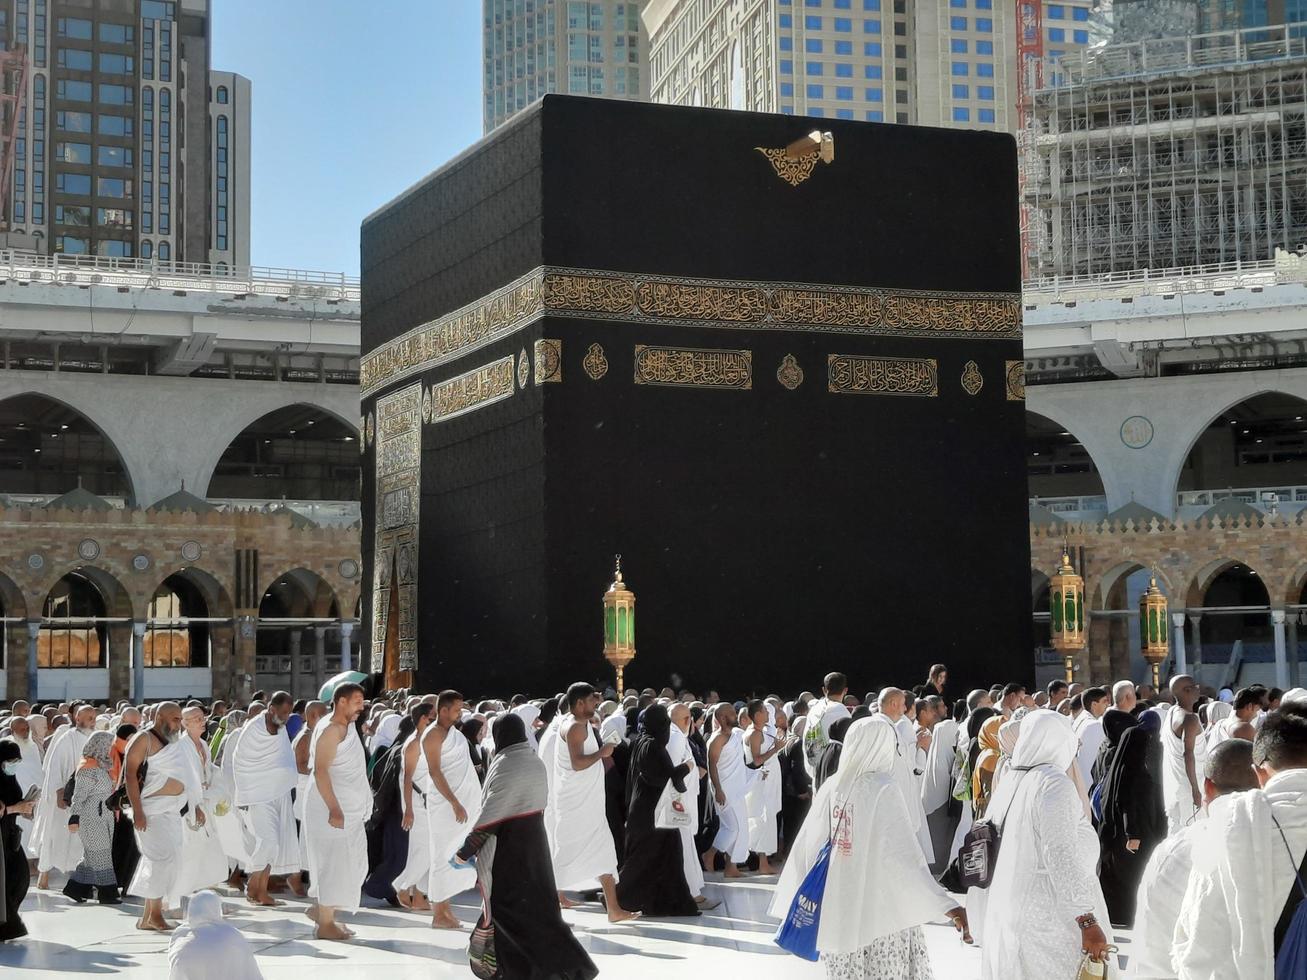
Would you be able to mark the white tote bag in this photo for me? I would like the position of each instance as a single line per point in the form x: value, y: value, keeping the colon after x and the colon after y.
x: 670, y: 813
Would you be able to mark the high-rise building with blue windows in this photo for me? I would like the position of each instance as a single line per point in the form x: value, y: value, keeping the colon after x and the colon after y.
x: 534, y: 47
x: 927, y: 62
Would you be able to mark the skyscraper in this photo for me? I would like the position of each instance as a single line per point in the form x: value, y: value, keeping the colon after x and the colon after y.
x: 928, y: 62
x: 534, y: 47
x: 114, y: 153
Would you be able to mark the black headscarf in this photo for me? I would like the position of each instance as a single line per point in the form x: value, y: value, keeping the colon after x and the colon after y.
x: 1115, y: 724
x: 974, y: 724
x: 547, y: 712
x: 1132, y: 795
x: 649, y: 758
x: 656, y: 723
x: 10, y: 792
x: 507, y: 729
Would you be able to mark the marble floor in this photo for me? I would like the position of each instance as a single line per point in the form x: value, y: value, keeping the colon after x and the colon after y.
x: 92, y: 940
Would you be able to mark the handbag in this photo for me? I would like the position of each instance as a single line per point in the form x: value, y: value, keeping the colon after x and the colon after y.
x: 1092, y: 969
x: 481, y: 951
x: 670, y: 812
x: 978, y: 855
x: 797, y: 932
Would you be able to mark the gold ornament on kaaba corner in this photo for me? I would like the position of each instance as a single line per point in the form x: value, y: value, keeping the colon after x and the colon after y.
x: 1154, y: 635
x: 1016, y: 381
x: 794, y: 163
x: 426, y: 404
x: 972, y: 379
x: 549, y: 360
x: 619, y: 625
x: 523, y: 369
x: 595, y: 364
x: 789, y: 373
x: 1066, y: 604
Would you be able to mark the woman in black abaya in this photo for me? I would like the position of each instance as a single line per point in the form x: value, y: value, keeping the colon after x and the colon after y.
x: 521, y: 934
x: 14, y: 875
x: 387, y: 838
x: 652, y: 881
x: 1134, y: 817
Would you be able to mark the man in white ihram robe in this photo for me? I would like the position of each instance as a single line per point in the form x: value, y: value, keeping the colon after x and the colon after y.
x: 937, y: 791
x: 265, y: 773
x: 731, y: 781
x: 203, y: 861
x: 340, y: 801
x: 30, y: 774
x: 1243, y: 870
x: 892, y: 704
x: 453, y: 805
x: 764, y: 797
x: 55, y: 847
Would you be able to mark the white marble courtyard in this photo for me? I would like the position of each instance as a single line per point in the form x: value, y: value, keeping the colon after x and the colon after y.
x: 733, y: 939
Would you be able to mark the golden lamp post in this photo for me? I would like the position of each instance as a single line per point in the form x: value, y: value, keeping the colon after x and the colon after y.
x: 619, y: 625
x: 1154, y: 638
x: 1066, y: 603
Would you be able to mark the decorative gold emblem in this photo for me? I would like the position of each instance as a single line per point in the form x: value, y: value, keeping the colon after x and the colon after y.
x: 523, y: 369
x: 853, y: 374
x: 549, y: 360
x: 371, y: 429
x: 473, y: 389
x: 789, y: 373
x: 690, y: 367
x: 595, y: 364
x: 426, y: 404
x: 972, y: 380
x: 711, y: 303
x: 1016, y: 381
x: 363, y: 435
x: 794, y: 163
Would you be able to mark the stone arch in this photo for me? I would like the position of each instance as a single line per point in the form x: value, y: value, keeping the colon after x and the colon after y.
x: 114, y: 602
x: 12, y: 601
x: 26, y: 401
x: 1202, y: 578
x: 1053, y: 460
x: 318, y: 597
x: 1188, y: 441
x: 1108, y: 583
x: 1290, y: 590
x: 264, y: 442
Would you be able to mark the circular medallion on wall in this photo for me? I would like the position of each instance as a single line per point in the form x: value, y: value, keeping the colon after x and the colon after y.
x: 349, y: 568
x: 594, y: 362
x: 789, y: 373
x: 523, y: 369
x: 1136, y: 432
x: 426, y: 404
x: 191, y: 551
x: 88, y: 549
x: 140, y: 562
x: 35, y: 562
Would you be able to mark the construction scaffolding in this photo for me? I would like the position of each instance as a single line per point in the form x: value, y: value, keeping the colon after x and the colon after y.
x: 13, y: 96
x: 1169, y: 152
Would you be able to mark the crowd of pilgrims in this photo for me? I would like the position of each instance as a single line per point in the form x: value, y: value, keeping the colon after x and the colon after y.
x: 1179, y: 813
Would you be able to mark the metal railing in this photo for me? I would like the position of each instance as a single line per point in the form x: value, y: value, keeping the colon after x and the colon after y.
x: 1257, y: 496
x: 84, y: 270
x: 1071, y: 505
x: 1287, y: 268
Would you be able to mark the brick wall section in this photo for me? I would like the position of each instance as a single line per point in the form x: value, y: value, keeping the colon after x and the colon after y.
x: 1187, y: 558
x: 121, y: 535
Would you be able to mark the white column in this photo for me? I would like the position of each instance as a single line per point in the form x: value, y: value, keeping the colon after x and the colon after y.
x: 345, y: 630
x: 1281, y: 659
x: 138, y: 663
x: 319, y: 657
x: 293, y: 642
x: 33, y: 631
x: 1177, y: 641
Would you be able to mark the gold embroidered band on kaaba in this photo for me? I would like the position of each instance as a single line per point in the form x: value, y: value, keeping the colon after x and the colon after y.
x: 713, y: 303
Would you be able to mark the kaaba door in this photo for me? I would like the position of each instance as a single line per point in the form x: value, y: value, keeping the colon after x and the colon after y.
x: 395, y: 678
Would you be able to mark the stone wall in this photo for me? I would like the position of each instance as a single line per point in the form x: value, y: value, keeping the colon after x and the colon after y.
x: 129, y: 553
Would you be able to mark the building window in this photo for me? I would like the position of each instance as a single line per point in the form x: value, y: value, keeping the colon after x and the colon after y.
x: 116, y: 94
x: 1079, y: 13
x: 812, y: 45
x: 72, y: 183
x: 844, y: 113
x: 844, y: 93
x: 961, y: 68
x: 985, y: 47
x: 113, y: 187
x: 843, y: 25
x: 172, y: 639
x: 115, y: 248
x: 872, y: 5
x: 1056, y: 11
x: 843, y: 70
x: 72, y: 153
x: 74, y: 59
x: 1080, y: 37
x: 961, y: 114
x: 816, y: 92
x: 74, y: 27
x: 72, y: 214
x: 113, y: 156
x: 72, y: 91
x: 985, y: 92
x: 117, y: 64
x: 812, y: 23
x: 958, y: 45
x: 786, y: 21
x: 222, y: 95
x: 986, y: 115
x: 984, y: 25
x: 147, y: 249
x: 157, y: 10
x: 787, y: 89
x: 875, y: 115
x: 114, y: 217
x: 871, y: 49
x: 957, y: 23
x: 165, y: 252
x: 786, y: 43
x: 117, y: 33
x: 871, y: 27
x: 961, y: 91
x: 874, y: 95
x: 814, y: 68
x: 985, y: 70
x: 73, y: 628
x: 115, y: 125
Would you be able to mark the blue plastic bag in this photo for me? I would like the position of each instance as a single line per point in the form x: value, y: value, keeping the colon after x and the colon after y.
x: 797, y: 933
x: 1096, y: 802
x: 1291, y: 960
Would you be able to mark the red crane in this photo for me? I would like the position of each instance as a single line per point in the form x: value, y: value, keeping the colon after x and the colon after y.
x: 1030, y: 77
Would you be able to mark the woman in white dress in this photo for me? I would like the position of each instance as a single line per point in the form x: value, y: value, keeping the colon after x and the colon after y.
x: 869, y: 930
x: 1044, y: 908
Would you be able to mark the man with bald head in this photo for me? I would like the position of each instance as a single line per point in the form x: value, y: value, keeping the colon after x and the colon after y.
x: 21, y: 709
x: 55, y: 846
x: 264, y: 771
x: 161, y: 781
x: 204, y: 863
x: 313, y: 713
x: 731, y: 781
x: 28, y: 773
x: 892, y: 705
x: 1228, y: 769
x: 1181, y: 794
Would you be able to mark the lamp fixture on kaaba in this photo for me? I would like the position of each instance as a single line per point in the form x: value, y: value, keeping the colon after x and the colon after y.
x: 619, y: 625
x: 1154, y: 640
x: 1067, y: 613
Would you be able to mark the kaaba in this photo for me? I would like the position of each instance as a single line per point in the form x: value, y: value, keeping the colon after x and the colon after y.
x: 775, y: 363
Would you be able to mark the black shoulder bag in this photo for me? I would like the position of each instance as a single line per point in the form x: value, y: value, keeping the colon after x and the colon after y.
x: 978, y: 855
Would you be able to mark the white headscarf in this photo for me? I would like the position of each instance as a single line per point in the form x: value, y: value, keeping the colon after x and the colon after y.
x: 387, y: 729
x: 613, y: 724
x: 937, y: 783
x: 205, y: 947
x: 528, y: 713
x: 873, y: 843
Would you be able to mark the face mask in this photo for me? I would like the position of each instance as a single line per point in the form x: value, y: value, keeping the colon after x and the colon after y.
x: 10, y: 768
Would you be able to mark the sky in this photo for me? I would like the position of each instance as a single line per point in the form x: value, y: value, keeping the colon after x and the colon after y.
x: 352, y: 103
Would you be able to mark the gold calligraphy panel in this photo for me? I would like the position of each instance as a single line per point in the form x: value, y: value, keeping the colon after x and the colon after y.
x: 691, y: 367
x: 1016, y: 380
x: 852, y: 374
x: 397, y: 496
x: 690, y: 302
x: 474, y: 389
